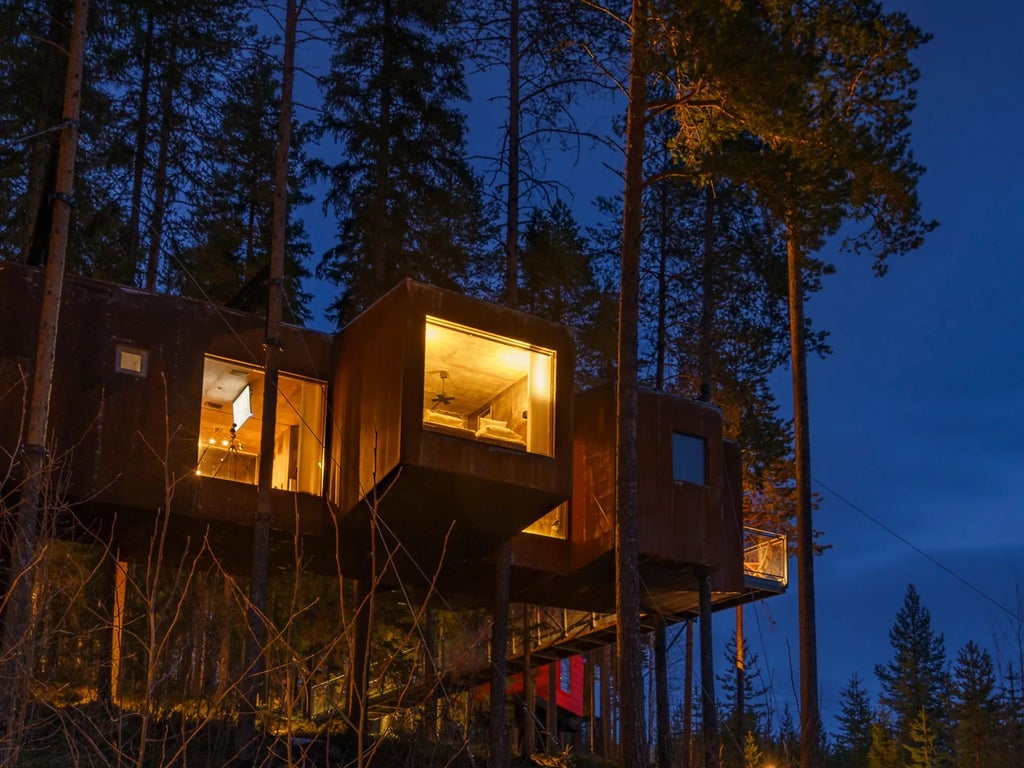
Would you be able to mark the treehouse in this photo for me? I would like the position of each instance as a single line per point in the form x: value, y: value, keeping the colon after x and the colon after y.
x: 690, y: 516
x: 156, y: 404
x: 453, y: 428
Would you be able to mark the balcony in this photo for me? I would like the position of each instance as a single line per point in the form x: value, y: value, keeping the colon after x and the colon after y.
x: 765, y: 560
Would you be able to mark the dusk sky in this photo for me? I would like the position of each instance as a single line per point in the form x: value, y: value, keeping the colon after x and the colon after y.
x: 916, y: 416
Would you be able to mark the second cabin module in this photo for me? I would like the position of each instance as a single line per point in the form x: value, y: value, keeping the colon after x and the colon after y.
x: 454, y: 426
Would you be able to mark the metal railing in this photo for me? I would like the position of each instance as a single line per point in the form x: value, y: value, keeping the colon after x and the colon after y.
x: 765, y: 556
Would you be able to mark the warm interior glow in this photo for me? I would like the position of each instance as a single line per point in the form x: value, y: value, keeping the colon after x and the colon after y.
x: 230, y: 425
x: 241, y: 408
x: 554, y: 524
x: 490, y: 388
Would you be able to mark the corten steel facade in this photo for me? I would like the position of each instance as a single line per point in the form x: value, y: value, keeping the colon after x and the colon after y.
x: 125, y: 413
x: 445, y: 491
x: 688, y: 528
x: 449, y: 422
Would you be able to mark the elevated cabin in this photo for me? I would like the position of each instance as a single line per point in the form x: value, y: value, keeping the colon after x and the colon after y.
x: 453, y: 424
x: 156, y: 405
x: 690, y: 514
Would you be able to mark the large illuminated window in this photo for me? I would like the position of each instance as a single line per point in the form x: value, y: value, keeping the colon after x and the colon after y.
x: 489, y: 388
x: 230, y: 426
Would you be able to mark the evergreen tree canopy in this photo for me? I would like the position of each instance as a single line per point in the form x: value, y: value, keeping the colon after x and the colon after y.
x: 855, y: 721
x: 916, y: 679
x: 975, y: 708
x: 561, y: 282
x: 406, y: 200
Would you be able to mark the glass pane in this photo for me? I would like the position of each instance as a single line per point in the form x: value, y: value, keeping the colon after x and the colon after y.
x: 230, y: 426
x: 688, y: 459
x: 553, y: 524
x: 489, y: 388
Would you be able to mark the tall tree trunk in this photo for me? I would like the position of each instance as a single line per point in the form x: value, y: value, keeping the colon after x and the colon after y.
x: 38, y: 210
x: 627, y: 575
x: 499, y: 741
x: 42, y: 163
x: 740, y: 683
x: 707, y: 301
x: 512, y: 204
x: 551, y: 724
x: 256, y: 638
x: 160, y: 183
x: 688, y: 699
x: 810, y: 719
x: 661, y: 333
x: 661, y: 694
x: 529, y: 684
x: 382, y: 182
x: 589, y: 659
x: 499, y: 638
x: 141, y: 143
x: 709, y: 715
x: 707, y: 391
x: 16, y: 649
x: 606, y: 702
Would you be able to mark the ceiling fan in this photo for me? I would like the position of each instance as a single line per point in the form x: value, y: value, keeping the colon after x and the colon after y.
x: 442, y: 397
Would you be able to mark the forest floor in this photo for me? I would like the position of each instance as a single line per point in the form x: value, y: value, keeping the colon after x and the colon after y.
x: 91, y: 736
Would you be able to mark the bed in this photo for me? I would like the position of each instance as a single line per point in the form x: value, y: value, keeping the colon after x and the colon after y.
x: 448, y: 423
x: 497, y: 432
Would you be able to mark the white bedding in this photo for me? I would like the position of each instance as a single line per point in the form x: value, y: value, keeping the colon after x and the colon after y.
x: 444, y: 419
x: 500, y: 433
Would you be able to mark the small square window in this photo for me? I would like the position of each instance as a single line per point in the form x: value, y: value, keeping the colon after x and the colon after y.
x: 688, y: 459
x: 131, y: 360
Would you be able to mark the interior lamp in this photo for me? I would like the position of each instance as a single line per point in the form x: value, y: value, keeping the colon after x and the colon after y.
x: 241, y: 408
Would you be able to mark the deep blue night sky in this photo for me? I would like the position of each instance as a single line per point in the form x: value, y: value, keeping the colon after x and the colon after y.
x: 916, y: 416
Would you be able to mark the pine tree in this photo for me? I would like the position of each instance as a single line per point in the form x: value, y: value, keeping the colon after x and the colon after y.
x: 230, y: 221
x: 537, y: 47
x: 854, y: 737
x: 751, y: 750
x: 172, y: 63
x: 975, y: 708
x: 921, y: 748
x: 916, y: 678
x: 788, y: 738
x: 560, y: 282
x: 406, y: 200
x: 33, y: 46
x: 885, y: 750
x: 754, y: 704
x: 1013, y: 715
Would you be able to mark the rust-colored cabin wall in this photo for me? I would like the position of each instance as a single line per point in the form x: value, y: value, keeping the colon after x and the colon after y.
x: 679, y: 522
x: 126, y: 436
x: 436, y: 482
x: 368, y: 398
x: 378, y: 396
x: 592, y: 518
